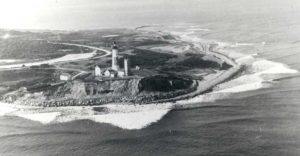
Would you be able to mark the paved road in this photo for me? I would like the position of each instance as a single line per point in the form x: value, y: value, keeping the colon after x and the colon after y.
x: 107, y: 52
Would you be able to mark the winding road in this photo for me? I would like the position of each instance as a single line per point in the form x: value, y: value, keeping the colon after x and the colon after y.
x: 66, y: 58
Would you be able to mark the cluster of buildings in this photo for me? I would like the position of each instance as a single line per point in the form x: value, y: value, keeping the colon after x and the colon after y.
x: 113, y: 72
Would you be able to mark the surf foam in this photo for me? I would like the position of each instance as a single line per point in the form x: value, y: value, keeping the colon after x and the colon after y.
x: 121, y: 115
x: 6, y: 109
x: 269, y: 67
x: 44, y: 118
x: 132, y: 116
x: 133, y: 120
x: 258, y: 73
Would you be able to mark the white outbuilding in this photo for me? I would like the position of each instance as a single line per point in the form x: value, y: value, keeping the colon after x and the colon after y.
x: 110, y: 73
x: 121, y: 74
x: 65, y: 77
x: 98, y: 71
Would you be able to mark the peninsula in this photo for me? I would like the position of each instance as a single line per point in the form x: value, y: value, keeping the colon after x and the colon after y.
x: 88, y: 68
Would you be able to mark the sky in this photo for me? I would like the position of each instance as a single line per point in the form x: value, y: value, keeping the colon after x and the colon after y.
x: 96, y: 14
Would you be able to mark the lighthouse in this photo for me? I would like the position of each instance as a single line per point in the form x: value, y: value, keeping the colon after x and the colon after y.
x: 114, y: 64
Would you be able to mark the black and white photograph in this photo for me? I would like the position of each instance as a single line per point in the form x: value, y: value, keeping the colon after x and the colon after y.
x: 149, y: 78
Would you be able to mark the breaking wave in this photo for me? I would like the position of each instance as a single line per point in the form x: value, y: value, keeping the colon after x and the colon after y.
x: 258, y: 73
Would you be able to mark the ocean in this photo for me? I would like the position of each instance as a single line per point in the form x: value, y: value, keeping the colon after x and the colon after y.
x: 257, y: 113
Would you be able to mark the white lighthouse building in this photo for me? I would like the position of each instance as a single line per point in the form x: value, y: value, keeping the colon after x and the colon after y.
x: 114, y: 64
x: 115, y: 70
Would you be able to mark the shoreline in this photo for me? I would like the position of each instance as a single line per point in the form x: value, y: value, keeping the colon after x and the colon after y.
x: 220, y: 77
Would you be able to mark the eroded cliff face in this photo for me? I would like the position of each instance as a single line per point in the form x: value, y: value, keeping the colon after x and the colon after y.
x: 95, y: 89
x: 123, y: 87
x: 77, y: 90
x: 135, y: 90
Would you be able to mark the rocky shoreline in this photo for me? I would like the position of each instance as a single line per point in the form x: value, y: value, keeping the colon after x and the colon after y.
x: 141, y: 98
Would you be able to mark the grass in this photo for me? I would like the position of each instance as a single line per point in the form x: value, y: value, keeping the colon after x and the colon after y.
x: 33, y: 49
x: 26, y: 77
x: 198, y: 62
x: 147, y: 59
x: 193, y: 61
x: 163, y: 83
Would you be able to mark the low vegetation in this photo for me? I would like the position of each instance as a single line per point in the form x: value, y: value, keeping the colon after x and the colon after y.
x: 33, y: 49
x: 163, y: 83
x: 148, y: 59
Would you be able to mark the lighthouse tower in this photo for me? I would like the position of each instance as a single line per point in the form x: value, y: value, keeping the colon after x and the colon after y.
x: 126, y: 66
x: 114, y: 64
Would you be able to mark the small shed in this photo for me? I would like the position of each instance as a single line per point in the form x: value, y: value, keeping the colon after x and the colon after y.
x: 98, y: 71
x: 110, y: 73
x: 137, y: 67
x: 121, y: 73
x: 65, y: 76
